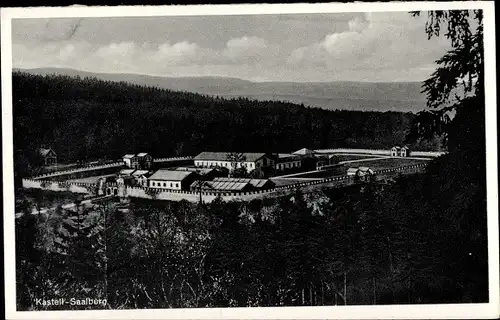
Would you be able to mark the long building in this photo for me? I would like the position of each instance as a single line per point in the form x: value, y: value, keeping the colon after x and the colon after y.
x: 170, y: 179
x: 231, y: 160
x: 232, y: 184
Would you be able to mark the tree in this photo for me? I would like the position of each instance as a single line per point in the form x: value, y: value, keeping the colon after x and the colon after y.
x: 236, y: 159
x: 459, y: 79
x: 456, y: 99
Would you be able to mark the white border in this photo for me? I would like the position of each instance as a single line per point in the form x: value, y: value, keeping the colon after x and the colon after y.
x: 438, y: 311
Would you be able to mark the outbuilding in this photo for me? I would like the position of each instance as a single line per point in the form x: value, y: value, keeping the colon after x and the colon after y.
x: 48, y: 156
x: 171, y: 179
x: 233, y: 160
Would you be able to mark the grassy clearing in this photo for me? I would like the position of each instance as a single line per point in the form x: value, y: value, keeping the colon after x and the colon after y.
x: 388, y: 163
x: 349, y: 157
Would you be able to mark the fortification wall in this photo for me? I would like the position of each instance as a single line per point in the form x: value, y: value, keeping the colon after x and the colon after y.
x: 74, y: 173
x: 192, y: 196
x: 76, y: 187
x: 426, y: 153
x: 360, y: 151
x: 381, y: 152
x: 173, y: 159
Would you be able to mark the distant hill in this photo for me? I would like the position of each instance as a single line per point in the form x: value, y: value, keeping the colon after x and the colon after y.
x: 88, y: 118
x: 363, y: 96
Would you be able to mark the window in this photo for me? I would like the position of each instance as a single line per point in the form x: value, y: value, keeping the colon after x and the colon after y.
x: 164, y: 184
x: 250, y: 165
x: 177, y: 185
x: 170, y: 184
x: 153, y: 184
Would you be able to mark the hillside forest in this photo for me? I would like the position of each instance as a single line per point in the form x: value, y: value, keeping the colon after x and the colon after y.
x: 413, y: 239
x: 89, y: 119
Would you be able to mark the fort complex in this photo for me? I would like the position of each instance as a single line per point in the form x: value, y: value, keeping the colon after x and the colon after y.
x: 230, y: 175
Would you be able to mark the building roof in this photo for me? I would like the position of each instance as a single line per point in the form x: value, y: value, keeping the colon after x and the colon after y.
x: 304, y: 151
x: 137, y: 173
x: 197, y: 170
x: 286, y: 157
x: 127, y: 172
x: 365, y: 169
x: 352, y: 170
x: 128, y: 156
x: 223, y: 156
x: 254, y: 182
x: 143, y: 154
x: 224, y: 185
x: 44, y: 151
x: 170, y: 175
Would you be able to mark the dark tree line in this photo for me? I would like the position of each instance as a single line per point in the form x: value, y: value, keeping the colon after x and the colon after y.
x: 418, y: 239
x: 88, y: 119
x: 375, y: 243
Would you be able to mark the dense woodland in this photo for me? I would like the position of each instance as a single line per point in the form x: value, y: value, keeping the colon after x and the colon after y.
x: 418, y: 239
x: 411, y: 241
x: 83, y: 119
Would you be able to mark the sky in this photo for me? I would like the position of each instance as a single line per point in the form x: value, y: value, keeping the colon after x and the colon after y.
x: 374, y: 47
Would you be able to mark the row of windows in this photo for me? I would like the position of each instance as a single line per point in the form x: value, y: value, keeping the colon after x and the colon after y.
x: 159, y: 184
x: 223, y: 164
x: 282, y: 166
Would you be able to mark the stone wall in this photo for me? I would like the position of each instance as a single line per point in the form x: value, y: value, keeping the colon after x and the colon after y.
x: 381, y: 152
x: 194, y: 196
x: 76, y: 187
x: 76, y: 173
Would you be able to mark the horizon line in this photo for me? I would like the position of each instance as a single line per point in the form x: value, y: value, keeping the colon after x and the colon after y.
x: 209, y: 76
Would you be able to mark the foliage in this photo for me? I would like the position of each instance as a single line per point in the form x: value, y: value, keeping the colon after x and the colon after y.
x: 458, y: 79
x: 93, y: 119
x: 375, y: 243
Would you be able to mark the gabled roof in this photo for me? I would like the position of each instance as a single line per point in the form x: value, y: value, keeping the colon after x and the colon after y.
x: 286, y: 157
x: 396, y: 148
x: 128, y: 156
x: 127, y: 172
x: 138, y: 173
x: 170, y: 175
x: 224, y: 185
x: 223, y: 156
x: 304, y: 151
x: 254, y: 182
x: 365, y: 169
x: 142, y: 154
x: 44, y: 151
x: 352, y: 170
x: 198, y: 170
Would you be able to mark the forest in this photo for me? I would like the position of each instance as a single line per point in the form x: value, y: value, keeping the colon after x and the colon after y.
x: 378, y: 243
x: 89, y: 119
x: 417, y: 239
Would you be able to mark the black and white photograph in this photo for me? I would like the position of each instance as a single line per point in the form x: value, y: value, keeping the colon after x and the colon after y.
x: 250, y: 161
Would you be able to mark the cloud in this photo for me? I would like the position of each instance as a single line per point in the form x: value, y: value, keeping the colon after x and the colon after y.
x: 244, y: 47
x: 389, y: 40
x: 370, y: 47
x: 357, y: 24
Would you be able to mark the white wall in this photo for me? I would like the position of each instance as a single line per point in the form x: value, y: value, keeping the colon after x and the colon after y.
x: 288, y: 165
x: 380, y: 152
x: 225, y: 164
x: 175, y: 185
x: 57, y: 186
